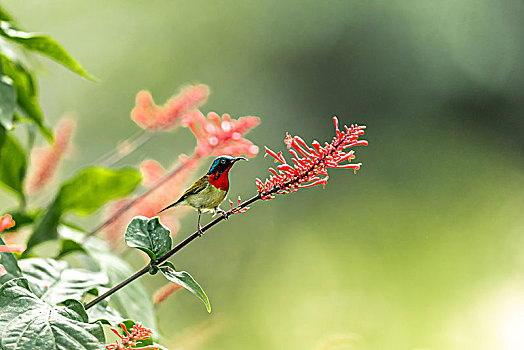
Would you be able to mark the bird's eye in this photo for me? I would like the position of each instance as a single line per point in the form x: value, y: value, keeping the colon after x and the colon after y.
x: 223, y: 161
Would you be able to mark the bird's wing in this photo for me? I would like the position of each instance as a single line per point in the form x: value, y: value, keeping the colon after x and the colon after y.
x: 198, y: 186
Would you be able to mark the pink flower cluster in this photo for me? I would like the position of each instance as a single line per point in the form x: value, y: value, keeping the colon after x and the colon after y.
x: 216, y: 136
x: 45, y: 160
x: 310, y: 164
x: 151, y: 117
x: 130, y: 339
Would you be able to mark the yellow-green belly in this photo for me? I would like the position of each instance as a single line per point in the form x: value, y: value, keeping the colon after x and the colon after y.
x: 208, y: 198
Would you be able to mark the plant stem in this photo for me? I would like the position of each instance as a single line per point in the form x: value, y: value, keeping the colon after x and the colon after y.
x: 125, y: 148
x: 163, y: 258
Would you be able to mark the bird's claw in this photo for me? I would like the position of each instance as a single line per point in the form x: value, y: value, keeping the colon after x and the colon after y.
x: 200, y: 232
x: 223, y: 213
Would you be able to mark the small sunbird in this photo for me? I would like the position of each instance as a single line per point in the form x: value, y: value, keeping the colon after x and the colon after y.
x: 210, y: 190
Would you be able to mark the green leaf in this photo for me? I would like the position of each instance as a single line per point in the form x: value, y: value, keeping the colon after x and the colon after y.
x: 69, y: 246
x: 185, y: 280
x: 10, y: 268
x: 133, y: 301
x: 148, y: 235
x: 44, y: 45
x: 94, y: 187
x: 105, y: 314
x: 55, y: 281
x: 7, y: 102
x: 85, y: 193
x: 26, y: 93
x: 29, y: 323
x: 46, y: 229
x: 13, y: 165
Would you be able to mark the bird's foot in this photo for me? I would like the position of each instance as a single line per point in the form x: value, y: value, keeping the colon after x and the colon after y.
x: 199, y: 231
x: 224, y: 213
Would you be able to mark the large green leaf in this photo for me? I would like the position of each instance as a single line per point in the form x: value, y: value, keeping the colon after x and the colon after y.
x: 84, y: 194
x: 8, y: 266
x: 26, y: 93
x: 185, y: 280
x: 148, y: 235
x: 29, y: 323
x: 44, y: 45
x: 132, y: 301
x: 55, y: 281
x: 94, y: 187
x: 7, y: 102
x: 13, y: 164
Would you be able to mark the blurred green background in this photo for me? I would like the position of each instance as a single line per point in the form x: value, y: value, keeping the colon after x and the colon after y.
x: 422, y: 249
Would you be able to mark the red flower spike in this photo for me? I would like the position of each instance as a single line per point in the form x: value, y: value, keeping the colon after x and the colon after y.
x: 130, y: 338
x: 236, y: 210
x: 311, y: 163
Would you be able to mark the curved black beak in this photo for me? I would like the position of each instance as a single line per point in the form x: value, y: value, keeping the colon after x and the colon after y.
x: 239, y: 158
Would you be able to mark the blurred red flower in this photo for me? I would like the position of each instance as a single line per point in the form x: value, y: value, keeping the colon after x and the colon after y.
x: 151, y: 117
x: 45, y: 160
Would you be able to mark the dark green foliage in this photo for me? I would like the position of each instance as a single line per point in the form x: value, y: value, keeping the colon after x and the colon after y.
x: 44, y: 45
x: 131, y: 302
x: 7, y: 102
x: 148, y: 235
x: 84, y: 194
x: 29, y: 323
x: 13, y: 164
x: 26, y: 92
x: 54, y: 281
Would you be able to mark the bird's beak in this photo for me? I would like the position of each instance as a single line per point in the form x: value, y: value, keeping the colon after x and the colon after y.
x: 239, y: 158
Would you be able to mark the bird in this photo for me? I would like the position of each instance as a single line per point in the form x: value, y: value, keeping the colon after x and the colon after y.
x: 210, y: 190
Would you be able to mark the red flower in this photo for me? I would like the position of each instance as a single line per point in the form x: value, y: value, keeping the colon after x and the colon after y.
x: 217, y: 136
x: 151, y: 117
x: 129, y: 339
x: 6, y: 222
x: 236, y: 210
x: 309, y: 164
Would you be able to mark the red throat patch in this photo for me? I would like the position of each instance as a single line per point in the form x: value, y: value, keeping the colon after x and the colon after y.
x: 220, y: 181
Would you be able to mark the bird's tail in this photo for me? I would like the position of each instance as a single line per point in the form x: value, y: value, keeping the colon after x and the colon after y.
x: 170, y: 206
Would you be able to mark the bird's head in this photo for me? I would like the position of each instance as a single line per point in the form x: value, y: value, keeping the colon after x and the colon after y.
x: 222, y: 164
